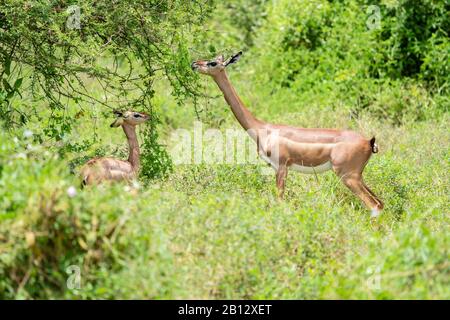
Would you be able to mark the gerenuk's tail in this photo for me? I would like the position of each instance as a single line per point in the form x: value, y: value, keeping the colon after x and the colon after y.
x: 373, y: 145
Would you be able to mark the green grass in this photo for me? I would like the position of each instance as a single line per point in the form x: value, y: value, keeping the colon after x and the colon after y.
x: 217, y: 231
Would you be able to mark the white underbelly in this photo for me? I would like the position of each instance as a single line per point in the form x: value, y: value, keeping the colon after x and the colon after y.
x: 303, y: 169
x: 317, y: 169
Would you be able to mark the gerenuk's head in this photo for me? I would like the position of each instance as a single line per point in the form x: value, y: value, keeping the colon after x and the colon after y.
x: 215, y: 66
x: 132, y: 118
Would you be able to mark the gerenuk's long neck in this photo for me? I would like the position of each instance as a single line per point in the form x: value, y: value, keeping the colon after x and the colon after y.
x: 245, y: 118
x: 133, y: 145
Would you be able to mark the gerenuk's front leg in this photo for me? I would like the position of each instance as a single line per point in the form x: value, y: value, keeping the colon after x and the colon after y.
x: 281, y: 180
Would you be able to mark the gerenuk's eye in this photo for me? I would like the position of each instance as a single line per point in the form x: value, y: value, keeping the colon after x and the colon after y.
x: 137, y: 115
x: 212, y: 64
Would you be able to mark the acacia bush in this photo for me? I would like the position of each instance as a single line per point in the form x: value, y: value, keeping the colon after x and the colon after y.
x: 74, y: 56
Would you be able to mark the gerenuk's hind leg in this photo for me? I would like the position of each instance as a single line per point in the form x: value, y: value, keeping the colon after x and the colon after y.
x: 380, y: 204
x: 349, y: 161
x: 355, y: 183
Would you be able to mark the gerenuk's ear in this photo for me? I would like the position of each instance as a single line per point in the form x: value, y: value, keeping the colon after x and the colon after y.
x: 234, y: 58
x: 118, y: 113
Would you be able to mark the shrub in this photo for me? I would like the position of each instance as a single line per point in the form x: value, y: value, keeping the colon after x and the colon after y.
x: 322, y: 51
x: 48, y: 224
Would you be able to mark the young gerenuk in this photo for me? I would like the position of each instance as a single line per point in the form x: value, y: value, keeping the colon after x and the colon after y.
x: 102, y: 169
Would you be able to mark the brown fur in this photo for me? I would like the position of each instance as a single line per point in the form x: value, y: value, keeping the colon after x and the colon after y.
x: 347, y: 151
x: 103, y: 169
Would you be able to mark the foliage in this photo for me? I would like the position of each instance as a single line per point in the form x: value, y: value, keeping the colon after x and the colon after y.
x: 412, y: 32
x: 305, y: 63
x: 155, y: 160
x: 246, y: 17
x: 306, y: 46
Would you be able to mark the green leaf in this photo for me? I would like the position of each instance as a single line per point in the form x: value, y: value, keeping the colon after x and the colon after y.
x: 18, y: 83
x: 7, y: 85
x: 10, y: 95
x: 212, y: 49
x: 7, y: 66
